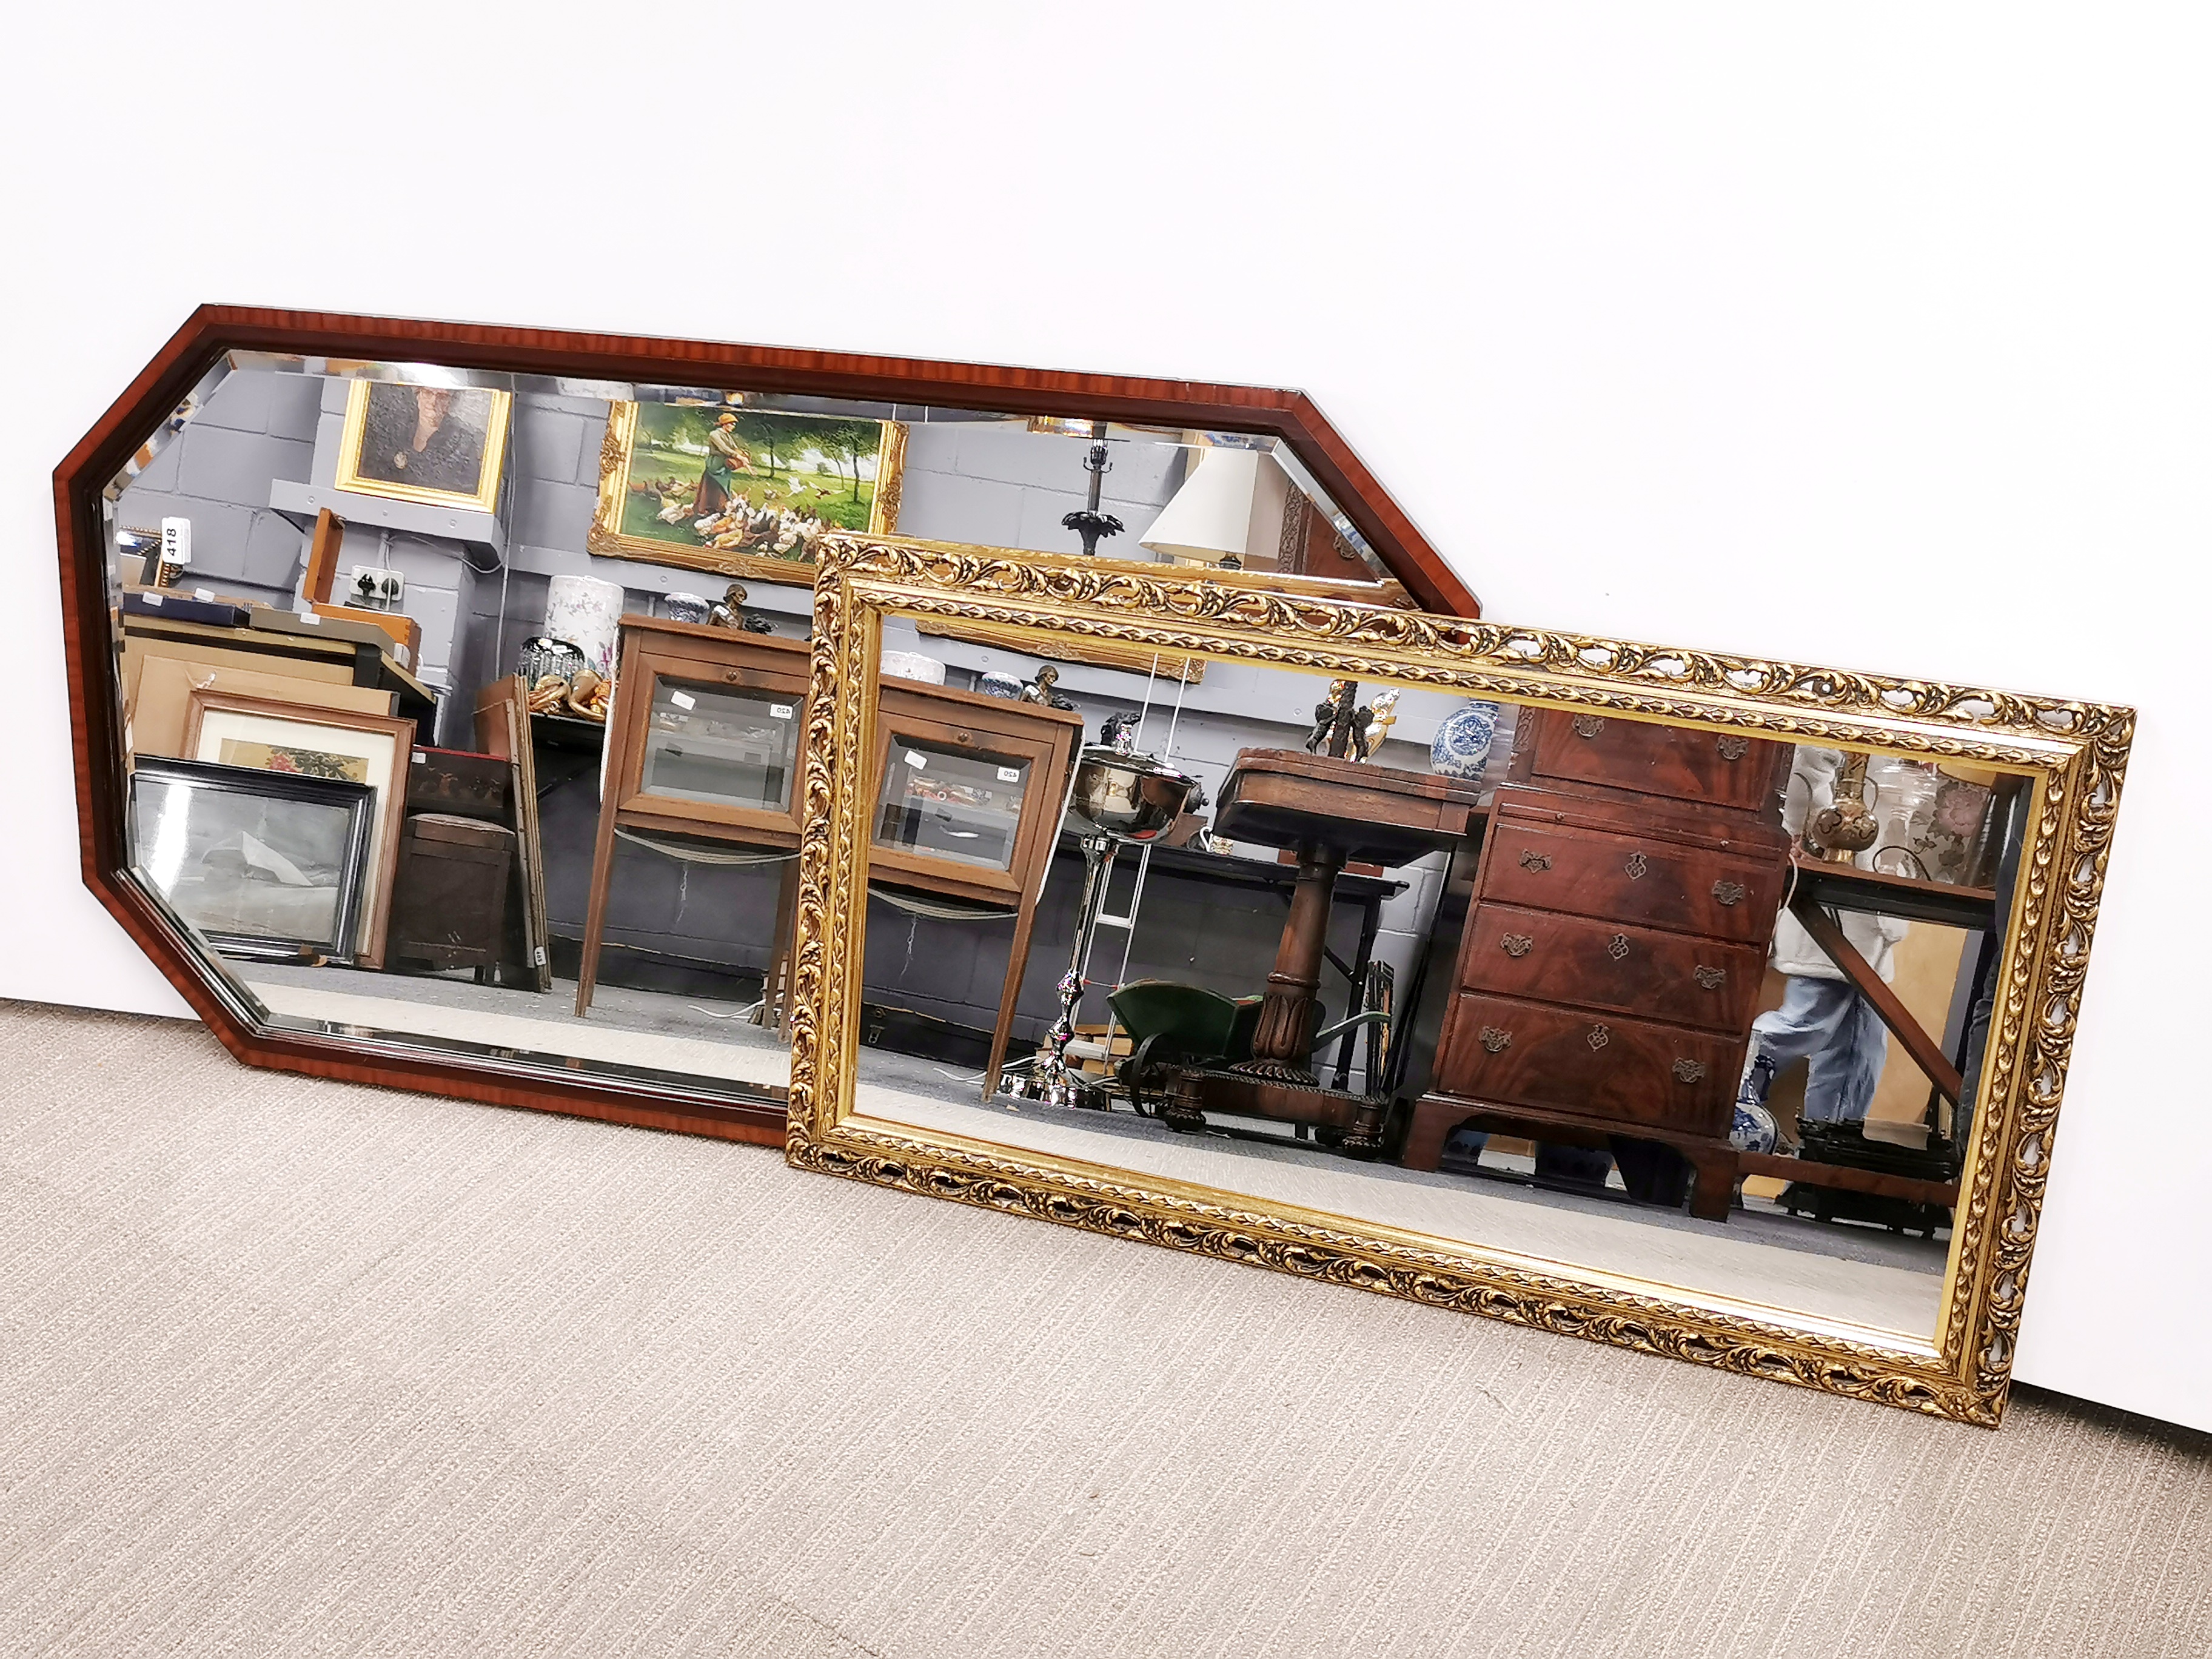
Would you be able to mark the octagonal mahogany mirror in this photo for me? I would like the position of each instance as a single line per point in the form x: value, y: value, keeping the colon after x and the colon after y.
x: 438, y: 689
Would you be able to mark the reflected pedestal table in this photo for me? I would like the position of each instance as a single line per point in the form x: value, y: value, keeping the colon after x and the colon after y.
x: 1330, y: 812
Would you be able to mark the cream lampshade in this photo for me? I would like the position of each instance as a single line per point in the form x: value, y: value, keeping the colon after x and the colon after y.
x: 1218, y: 510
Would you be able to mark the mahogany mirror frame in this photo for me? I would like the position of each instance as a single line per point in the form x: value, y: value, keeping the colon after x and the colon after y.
x: 210, y: 332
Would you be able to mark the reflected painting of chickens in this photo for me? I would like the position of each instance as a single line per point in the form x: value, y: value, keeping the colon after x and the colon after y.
x: 688, y: 483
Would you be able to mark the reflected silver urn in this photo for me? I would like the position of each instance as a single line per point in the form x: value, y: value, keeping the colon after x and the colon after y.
x: 1126, y: 797
x: 1119, y: 798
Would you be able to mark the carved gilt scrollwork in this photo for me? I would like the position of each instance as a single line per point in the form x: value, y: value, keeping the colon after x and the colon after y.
x: 2077, y: 753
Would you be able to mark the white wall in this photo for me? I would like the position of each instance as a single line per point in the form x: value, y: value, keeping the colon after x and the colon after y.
x: 1876, y: 336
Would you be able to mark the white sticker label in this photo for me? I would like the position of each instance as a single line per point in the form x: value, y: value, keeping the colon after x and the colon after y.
x: 683, y: 699
x: 154, y: 599
x: 421, y: 759
x: 311, y: 619
x: 176, y: 541
x: 779, y: 711
x: 538, y: 957
x: 1009, y: 774
x: 916, y: 761
x: 205, y: 594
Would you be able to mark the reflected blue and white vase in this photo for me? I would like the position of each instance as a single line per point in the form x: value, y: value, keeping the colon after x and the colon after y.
x: 1754, y: 1129
x: 992, y: 682
x: 683, y: 607
x: 1462, y: 740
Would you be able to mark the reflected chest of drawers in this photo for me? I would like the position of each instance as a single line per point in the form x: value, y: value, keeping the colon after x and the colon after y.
x: 1610, y: 966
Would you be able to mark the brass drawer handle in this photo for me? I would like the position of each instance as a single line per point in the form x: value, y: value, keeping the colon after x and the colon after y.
x: 1516, y: 945
x: 1689, y: 1071
x: 1598, y: 1036
x: 1636, y: 865
x: 1495, y: 1041
x: 1589, y: 725
x: 1735, y: 749
x: 1617, y: 946
x: 1729, y: 893
x: 1711, y: 978
x: 1535, y: 860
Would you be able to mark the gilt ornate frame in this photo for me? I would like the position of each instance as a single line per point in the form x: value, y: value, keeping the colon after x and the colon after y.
x: 606, y: 536
x: 2076, y: 752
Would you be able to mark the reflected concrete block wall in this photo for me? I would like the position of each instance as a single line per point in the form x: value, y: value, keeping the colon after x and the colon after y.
x: 257, y: 427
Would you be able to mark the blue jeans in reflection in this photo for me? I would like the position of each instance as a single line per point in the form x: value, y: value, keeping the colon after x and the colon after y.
x: 1826, y: 1024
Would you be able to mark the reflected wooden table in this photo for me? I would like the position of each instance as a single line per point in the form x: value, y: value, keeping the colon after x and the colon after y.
x: 1822, y: 886
x: 1329, y: 813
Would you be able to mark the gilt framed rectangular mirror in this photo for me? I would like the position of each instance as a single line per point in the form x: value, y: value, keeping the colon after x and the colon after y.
x: 1709, y: 1005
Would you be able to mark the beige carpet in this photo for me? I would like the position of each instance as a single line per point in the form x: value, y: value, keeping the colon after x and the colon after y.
x: 290, y: 1367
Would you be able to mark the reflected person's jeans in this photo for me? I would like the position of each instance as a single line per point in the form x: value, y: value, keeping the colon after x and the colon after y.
x: 1835, y: 1030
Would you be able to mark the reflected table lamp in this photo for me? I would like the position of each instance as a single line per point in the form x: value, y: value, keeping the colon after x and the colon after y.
x: 1209, y: 520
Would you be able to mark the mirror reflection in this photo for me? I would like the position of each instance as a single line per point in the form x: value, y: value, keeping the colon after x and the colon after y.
x: 1674, y: 1003
x: 464, y: 708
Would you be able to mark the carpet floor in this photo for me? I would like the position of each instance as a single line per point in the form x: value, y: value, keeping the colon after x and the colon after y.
x: 297, y: 1367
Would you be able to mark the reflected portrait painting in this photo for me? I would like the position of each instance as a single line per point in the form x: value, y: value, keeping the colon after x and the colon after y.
x: 436, y: 446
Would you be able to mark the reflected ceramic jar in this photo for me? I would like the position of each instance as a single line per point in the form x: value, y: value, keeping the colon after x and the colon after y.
x: 1462, y: 747
x: 684, y: 608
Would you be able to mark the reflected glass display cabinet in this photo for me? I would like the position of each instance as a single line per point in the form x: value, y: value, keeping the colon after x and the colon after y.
x: 703, y: 743
x: 968, y: 795
x: 703, y: 746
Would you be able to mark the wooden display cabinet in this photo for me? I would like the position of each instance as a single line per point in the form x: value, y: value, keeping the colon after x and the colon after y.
x: 967, y: 806
x: 703, y: 742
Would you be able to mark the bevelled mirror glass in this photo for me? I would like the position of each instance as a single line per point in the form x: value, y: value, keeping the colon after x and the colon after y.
x: 458, y: 709
x: 1704, y: 1004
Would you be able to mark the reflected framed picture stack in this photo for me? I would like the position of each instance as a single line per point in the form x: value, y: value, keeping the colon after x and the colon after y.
x: 268, y: 864
x: 370, y: 750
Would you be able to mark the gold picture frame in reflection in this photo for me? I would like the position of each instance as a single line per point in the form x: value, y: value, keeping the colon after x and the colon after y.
x: 434, y: 446
x: 2071, y: 756
x: 738, y: 491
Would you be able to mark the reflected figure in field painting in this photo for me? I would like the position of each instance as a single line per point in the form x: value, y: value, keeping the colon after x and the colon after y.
x: 718, y: 477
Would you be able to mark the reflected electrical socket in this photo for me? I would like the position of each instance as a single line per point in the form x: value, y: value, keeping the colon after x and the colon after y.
x: 372, y: 585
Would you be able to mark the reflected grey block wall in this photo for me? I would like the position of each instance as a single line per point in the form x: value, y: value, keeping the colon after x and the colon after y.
x: 257, y: 426
x: 999, y: 485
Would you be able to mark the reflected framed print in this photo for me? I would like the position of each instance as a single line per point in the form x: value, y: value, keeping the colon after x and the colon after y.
x: 433, y: 444
x: 373, y: 750
x: 266, y: 864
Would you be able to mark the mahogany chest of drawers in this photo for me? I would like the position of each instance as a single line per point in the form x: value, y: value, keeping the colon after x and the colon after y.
x: 1609, y: 968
